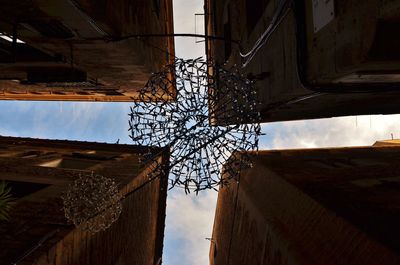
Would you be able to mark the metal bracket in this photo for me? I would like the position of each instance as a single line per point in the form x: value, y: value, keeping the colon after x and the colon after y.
x: 195, y: 26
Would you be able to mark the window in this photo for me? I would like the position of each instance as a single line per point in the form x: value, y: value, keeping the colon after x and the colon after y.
x: 96, y: 155
x: 30, y: 154
x: 21, y: 189
x: 22, y: 154
x: 71, y: 163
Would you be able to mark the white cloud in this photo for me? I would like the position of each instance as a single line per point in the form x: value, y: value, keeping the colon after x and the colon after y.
x: 342, y: 131
x: 189, y: 222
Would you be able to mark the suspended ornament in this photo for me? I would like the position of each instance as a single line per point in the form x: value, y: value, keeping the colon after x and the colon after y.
x: 204, y: 114
x: 92, y: 202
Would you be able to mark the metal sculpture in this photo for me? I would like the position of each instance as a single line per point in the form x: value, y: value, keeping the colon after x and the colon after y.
x: 178, y: 108
x: 92, y: 203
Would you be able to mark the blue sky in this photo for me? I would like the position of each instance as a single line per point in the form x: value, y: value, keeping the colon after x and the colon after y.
x: 99, y: 122
x: 189, y: 218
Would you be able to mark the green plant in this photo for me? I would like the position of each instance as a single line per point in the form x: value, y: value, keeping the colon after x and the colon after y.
x: 6, y: 201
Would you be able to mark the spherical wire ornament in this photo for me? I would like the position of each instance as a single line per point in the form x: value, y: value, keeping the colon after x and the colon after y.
x: 178, y: 108
x: 92, y: 202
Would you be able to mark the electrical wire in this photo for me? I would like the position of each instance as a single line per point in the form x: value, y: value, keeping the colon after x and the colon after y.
x: 279, y: 15
x: 142, y: 38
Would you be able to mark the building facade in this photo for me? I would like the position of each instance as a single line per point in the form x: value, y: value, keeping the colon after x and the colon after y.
x: 37, y: 232
x: 311, y: 206
x: 77, y: 50
x: 311, y: 59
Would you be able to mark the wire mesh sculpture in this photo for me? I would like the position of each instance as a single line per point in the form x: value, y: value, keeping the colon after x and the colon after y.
x: 178, y: 108
x: 92, y: 202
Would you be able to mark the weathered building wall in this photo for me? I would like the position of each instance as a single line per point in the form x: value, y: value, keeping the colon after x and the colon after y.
x: 73, y: 49
x: 306, y: 74
x: 318, y: 206
x: 38, y: 232
x: 134, y: 239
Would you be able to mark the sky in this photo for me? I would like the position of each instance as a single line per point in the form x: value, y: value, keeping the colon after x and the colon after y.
x: 189, y: 218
